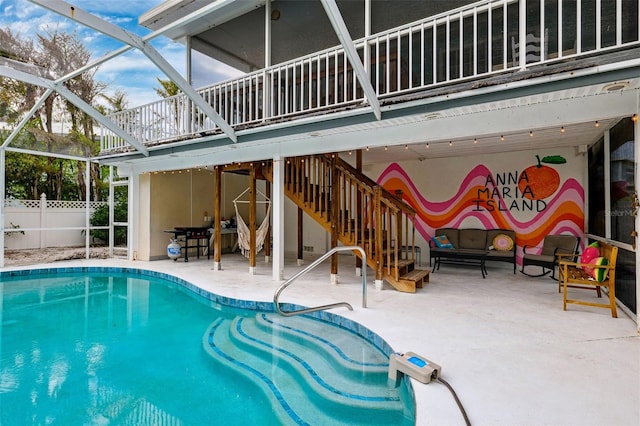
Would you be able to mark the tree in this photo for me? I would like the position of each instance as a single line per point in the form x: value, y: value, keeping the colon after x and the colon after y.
x: 56, y: 54
x: 168, y: 88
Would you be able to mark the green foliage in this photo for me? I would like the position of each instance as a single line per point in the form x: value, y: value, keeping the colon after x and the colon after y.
x: 100, y: 217
x: 168, y: 88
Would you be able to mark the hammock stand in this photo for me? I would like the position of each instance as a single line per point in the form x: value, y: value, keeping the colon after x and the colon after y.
x: 243, y: 230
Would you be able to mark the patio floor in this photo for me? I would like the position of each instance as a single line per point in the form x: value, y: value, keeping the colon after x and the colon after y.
x: 504, y: 343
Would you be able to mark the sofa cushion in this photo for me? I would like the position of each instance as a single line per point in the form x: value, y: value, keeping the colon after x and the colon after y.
x: 492, y: 233
x: 452, y: 235
x: 442, y: 241
x: 502, y: 242
x: 473, y: 239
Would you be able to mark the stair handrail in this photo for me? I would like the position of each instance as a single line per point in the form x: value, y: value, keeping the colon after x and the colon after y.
x: 288, y: 282
x: 346, y: 168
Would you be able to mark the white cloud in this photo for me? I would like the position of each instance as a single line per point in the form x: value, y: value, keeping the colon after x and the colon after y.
x: 131, y: 72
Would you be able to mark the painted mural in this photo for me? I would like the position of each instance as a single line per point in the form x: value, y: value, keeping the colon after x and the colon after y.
x: 499, y: 199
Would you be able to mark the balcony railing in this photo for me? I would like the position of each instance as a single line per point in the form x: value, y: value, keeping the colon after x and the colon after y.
x: 474, y: 41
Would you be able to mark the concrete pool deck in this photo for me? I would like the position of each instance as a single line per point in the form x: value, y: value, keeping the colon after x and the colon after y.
x: 504, y: 343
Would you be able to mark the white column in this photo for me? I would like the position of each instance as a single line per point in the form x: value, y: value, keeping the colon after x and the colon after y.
x: 132, y: 214
x: 112, y: 201
x: 43, y: 208
x: 266, y: 97
x: 277, y: 205
x: 267, y: 34
x: 188, y: 118
x: 522, y: 35
x: 87, y: 212
x: 2, y: 209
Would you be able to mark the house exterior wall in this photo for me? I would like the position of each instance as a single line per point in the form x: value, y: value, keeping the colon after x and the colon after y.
x: 493, y: 191
x: 175, y: 199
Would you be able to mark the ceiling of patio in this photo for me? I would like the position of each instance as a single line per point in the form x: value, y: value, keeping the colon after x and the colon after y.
x: 576, y: 135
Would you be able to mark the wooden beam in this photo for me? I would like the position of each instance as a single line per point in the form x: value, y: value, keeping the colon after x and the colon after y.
x: 217, y: 215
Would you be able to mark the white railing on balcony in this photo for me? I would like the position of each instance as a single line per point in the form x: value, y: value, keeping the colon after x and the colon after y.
x: 474, y: 41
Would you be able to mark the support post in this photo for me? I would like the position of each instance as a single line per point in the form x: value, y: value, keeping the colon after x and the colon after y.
x: 359, y: 264
x: 379, y: 230
x: 111, y: 212
x: 43, y: 209
x: 335, y: 212
x: 217, y: 240
x: 87, y: 212
x: 2, y: 207
x: 277, y: 204
x: 300, y: 237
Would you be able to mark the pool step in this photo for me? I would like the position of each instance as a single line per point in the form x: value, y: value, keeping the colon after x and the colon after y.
x: 313, y: 373
x: 346, y: 357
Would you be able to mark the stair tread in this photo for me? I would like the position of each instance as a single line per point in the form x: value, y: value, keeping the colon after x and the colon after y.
x: 415, y: 275
x: 240, y: 347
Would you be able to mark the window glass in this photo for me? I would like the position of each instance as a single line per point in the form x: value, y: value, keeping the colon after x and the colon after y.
x: 596, y: 190
x: 622, y: 181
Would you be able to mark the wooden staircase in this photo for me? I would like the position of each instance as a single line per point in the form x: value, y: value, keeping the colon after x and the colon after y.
x: 355, y: 210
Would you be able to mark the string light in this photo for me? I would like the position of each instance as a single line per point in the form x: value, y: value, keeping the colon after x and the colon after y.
x: 531, y: 133
x: 597, y: 123
x: 385, y: 148
x: 501, y: 138
x: 406, y: 147
x: 367, y: 148
x: 635, y: 117
x: 450, y: 143
x: 562, y: 129
x: 475, y: 140
x: 427, y: 146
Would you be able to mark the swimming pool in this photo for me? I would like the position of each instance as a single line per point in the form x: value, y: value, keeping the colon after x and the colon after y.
x: 128, y: 346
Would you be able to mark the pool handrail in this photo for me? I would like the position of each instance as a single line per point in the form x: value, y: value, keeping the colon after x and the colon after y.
x: 288, y: 282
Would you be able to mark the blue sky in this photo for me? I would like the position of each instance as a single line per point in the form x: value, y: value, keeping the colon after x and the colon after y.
x: 130, y: 72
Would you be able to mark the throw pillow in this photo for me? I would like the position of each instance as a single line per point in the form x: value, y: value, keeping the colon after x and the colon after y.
x: 442, y: 241
x: 588, y: 255
x: 599, y: 274
x: 502, y: 242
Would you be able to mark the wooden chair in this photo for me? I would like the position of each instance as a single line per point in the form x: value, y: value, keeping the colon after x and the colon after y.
x: 547, y: 259
x: 571, y: 274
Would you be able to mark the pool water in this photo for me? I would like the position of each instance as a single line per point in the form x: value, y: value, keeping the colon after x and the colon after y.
x: 114, y: 348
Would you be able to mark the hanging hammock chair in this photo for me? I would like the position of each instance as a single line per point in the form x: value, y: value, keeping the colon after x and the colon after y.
x: 243, y: 230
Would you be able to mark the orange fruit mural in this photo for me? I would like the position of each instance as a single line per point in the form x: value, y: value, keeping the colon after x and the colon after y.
x: 539, y: 181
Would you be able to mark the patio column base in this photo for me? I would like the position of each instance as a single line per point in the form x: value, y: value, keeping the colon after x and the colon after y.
x: 300, y: 262
x: 358, y: 272
x: 378, y: 284
x: 334, y: 279
x: 217, y: 266
x: 252, y: 270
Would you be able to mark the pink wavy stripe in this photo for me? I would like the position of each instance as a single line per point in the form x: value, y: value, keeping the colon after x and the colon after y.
x: 477, y: 176
x: 570, y: 192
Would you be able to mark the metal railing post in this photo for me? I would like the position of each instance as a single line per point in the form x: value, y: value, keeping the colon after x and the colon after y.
x: 328, y: 254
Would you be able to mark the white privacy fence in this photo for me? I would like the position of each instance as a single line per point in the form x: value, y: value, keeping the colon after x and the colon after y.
x: 46, y: 223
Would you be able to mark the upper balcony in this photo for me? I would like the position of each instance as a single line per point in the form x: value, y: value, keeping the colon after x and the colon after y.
x: 474, y: 42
